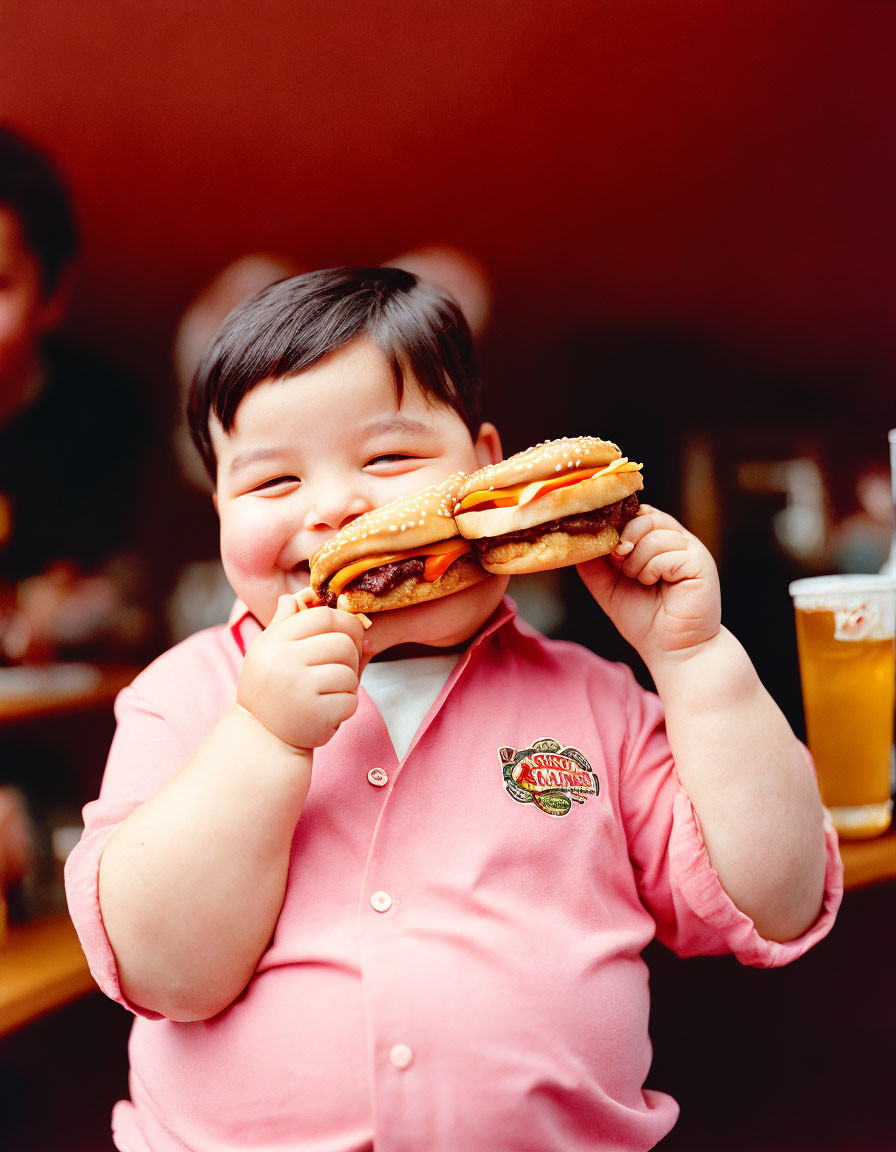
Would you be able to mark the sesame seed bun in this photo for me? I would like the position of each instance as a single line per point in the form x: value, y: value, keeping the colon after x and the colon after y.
x: 553, y: 548
x: 550, y: 550
x: 399, y: 527
x: 542, y: 460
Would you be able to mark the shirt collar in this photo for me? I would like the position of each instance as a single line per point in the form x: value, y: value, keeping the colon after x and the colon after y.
x: 244, y: 627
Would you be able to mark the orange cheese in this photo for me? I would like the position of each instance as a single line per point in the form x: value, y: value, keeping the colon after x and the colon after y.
x: 519, y: 494
x: 438, y: 565
x: 439, y: 557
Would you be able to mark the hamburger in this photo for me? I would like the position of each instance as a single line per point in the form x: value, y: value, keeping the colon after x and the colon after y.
x: 559, y: 503
x: 406, y: 552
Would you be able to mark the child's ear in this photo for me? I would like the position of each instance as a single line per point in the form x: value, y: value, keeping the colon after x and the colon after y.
x: 215, y: 501
x: 488, y: 445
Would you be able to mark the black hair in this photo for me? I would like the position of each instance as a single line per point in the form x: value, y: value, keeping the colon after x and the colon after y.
x: 32, y: 189
x: 293, y: 324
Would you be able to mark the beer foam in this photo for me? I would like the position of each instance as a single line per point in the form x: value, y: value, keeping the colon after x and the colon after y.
x: 863, y: 606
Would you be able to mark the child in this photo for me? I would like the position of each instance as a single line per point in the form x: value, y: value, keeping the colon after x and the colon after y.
x: 335, y: 921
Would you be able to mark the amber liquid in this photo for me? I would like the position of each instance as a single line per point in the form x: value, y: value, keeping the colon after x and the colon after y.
x: 848, y: 699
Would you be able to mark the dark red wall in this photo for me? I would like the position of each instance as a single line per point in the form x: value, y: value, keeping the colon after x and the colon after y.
x: 727, y: 167
x: 687, y: 208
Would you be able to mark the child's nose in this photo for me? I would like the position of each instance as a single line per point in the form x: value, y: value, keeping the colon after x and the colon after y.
x: 331, y: 511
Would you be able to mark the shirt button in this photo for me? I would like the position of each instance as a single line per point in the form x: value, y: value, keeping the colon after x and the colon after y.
x: 377, y: 777
x: 401, y: 1056
x: 381, y: 901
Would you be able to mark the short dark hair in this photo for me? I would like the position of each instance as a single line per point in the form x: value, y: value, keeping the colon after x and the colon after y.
x: 293, y: 324
x: 32, y: 189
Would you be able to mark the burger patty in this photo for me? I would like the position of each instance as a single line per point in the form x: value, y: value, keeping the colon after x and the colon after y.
x: 387, y: 576
x: 379, y: 581
x: 581, y: 523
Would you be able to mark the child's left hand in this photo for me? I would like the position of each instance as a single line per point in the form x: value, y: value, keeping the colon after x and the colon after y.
x: 659, y: 586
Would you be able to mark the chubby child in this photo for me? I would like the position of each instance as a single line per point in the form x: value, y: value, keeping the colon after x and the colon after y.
x: 307, y: 874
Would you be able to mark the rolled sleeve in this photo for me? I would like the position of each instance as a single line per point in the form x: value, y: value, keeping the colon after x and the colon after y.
x: 706, y: 912
x: 676, y: 881
x: 142, y: 743
x: 82, y: 890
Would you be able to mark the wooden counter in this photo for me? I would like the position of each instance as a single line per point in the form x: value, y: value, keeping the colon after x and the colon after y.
x: 42, y: 967
x: 35, y: 693
x: 868, y: 861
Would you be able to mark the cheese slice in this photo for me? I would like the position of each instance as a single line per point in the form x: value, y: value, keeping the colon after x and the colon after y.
x: 439, y: 558
x: 516, y: 495
x: 437, y: 565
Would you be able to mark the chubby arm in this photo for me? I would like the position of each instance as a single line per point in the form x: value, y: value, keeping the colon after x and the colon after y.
x: 735, y: 754
x: 192, y: 883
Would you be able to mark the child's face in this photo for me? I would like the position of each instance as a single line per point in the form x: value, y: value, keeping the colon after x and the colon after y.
x: 25, y: 312
x: 310, y: 453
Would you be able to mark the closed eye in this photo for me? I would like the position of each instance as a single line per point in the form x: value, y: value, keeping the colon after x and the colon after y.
x: 275, y: 482
x: 388, y: 458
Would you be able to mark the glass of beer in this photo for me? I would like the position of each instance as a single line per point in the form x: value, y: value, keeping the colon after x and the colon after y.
x: 846, y: 639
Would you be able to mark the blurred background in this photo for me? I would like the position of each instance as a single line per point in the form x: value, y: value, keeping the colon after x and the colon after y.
x: 681, y: 214
x: 671, y: 226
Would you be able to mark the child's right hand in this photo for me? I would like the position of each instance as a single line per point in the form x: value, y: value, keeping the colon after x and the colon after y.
x: 300, y: 677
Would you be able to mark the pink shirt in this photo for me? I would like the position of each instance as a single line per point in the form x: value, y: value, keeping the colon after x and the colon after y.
x: 457, y: 963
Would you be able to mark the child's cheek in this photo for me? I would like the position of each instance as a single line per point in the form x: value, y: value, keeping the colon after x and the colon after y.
x: 250, y: 544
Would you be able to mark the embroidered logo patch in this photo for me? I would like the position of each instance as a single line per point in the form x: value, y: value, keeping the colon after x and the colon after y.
x: 551, y: 777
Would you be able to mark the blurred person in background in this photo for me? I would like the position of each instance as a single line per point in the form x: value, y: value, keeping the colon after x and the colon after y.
x: 71, y: 431
x: 71, y: 434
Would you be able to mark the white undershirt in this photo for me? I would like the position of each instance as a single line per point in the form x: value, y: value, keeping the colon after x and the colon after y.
x: 405, y: 690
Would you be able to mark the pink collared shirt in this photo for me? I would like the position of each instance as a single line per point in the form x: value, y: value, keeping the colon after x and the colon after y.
x: 457, y: 962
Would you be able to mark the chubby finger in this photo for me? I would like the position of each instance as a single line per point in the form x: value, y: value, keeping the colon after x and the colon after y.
x: 287, y: 606
x: 632, y: 534
x: 318, y: 622
x: 600, y: 576
x: 332, y: 679
x: 332, y: 648
x: 662, y: 554
x: 354, y: 627
x: 655, y: 518
x: 336, y: 707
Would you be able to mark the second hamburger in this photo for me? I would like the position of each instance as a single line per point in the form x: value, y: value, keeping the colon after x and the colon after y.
x: 559, y: 503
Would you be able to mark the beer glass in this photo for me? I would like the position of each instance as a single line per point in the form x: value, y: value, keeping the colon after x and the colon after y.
x: 846, y: 639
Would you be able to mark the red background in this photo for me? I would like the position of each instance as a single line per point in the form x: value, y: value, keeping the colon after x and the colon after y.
x: 686, y: 208
x: 725, y: 167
